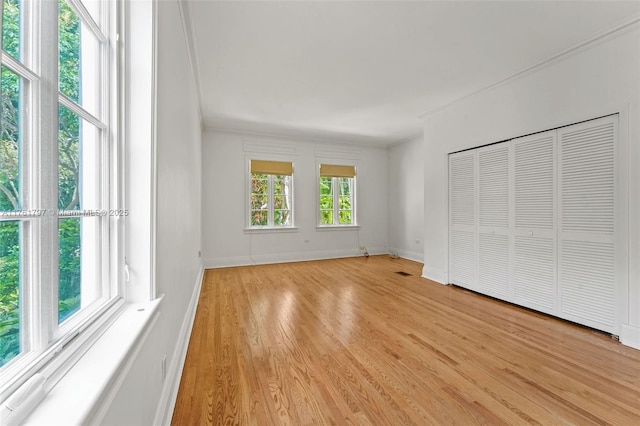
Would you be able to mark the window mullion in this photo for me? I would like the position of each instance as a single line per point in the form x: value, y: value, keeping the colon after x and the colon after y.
x: 352, y: 193
x: 46, y: 174
x: 336, y: 200
x: 271, y: 211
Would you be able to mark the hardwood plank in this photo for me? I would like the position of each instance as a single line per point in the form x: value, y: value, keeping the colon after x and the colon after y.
x: 351, y: 342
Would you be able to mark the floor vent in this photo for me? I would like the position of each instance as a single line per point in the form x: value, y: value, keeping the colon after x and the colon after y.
x: 404, y: 274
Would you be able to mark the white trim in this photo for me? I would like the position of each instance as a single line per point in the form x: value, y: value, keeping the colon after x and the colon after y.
x: 80, y: 111
x: 434, y: 275
x: 273, y: 148
x: 270, y: 188
x: 95, y: 388
x: 408, y: 254
x: 192, y: 49
x: 336, y: 205
x: 337, y: 152
x: 270, y: 229
x: 87, y: 20
x: 18, y: 67
x: 167, y: 401
x: 337, y: 141
x: 630, y: 335
x: 264, y: 259
x: 539, y: 65
x: 408, y: 139
x: 323, y: 228
x: 153, y: 184
x: 50, y: 348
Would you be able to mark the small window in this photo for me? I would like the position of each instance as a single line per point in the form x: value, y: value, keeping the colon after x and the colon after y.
x: 337, y: 195
x: 271, y: 195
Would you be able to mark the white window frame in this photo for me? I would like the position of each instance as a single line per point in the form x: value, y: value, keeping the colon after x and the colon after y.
x: 336, y: 198
x: 54, y: 348
x: 270, y: 227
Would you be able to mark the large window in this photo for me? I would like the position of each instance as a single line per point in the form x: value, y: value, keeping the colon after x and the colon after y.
x: 271, y: 197
x: 337, y: 195
x: 57, y: 215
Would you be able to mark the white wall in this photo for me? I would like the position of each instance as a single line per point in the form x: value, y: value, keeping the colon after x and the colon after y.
x: 226, y: 243
x: 597, y: 80
x: 178, y: 226
x: 406, y: 199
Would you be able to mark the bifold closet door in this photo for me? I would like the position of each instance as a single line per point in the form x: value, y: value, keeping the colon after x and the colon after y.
x: 534, y: 243
x: 533, y: 221
x: 494, y: 259
x: 462, y: 219
x: 587, y: 223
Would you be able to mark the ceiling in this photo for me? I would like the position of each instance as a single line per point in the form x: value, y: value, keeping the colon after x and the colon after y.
x: 363, y: 72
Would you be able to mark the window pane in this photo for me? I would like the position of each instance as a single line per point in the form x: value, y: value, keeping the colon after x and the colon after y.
x: 326, y: 185
x: 326, y: 202
x: 345, y: 203
x: 259, y: 218
x: 326, y: 217
x: 79, y: 267
x: 9, y: 291
x: 281, y: 202
x: 79, y: 264
x: 281, y: 185
x: 69, y: 287
x: 282, y: 217
x: 259, y: 202
x: 78, y: 162
x: 10, y: 199
x: 11, y: 27
x: 259, y: 184
x: 78, y: 60
x: 345, y: 186
x: 345, y: 217
x: 10, y: 145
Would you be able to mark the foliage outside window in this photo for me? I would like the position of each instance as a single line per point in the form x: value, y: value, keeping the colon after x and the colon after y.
x: 53, y: 238
x: 271, y: 194
x: 337, y: 190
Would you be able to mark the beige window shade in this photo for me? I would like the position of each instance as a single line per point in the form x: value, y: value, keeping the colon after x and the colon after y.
x: 333, y: 170
x: 263, y: 167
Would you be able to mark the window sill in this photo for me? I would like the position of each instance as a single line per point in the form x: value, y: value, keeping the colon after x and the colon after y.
x: 77, y: 397
x: 338, y: 228
x: 270, y: 229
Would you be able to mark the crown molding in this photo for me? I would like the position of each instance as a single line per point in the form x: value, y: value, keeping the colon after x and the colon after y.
x: 624, y: 25
x: 295, y: 139
x: 407, y: 139
x: 184, y: 7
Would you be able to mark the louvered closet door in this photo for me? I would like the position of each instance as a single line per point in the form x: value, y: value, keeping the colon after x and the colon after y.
x: 493, y: 220
x: 587, y: 226
x: 534, y: 236
x: 462, y: 219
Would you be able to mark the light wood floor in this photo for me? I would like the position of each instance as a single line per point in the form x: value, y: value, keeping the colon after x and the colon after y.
x: 350, y: 341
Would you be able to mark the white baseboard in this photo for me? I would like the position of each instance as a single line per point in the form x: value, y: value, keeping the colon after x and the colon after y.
x: 434, y: 275
x: 169, y: 394
x: 407, y: 254
x: 630, y: 336
x: 226, y: 262
x: 263, y: 259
